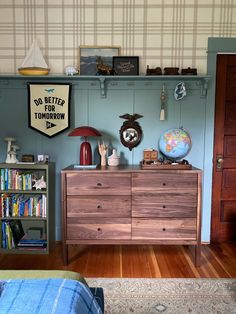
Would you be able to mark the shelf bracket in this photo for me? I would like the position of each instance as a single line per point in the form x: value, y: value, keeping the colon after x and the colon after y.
x: 102, y: 87
x: 204, y: 85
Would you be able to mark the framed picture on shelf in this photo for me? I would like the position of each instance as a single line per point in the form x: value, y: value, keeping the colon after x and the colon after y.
x: 125, y: 65
x: 97, y: 60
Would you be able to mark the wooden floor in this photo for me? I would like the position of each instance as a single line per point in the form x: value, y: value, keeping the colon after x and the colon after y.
x: 218, y: 261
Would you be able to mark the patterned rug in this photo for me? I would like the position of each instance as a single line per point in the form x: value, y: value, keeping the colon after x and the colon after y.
x: 168, y: 296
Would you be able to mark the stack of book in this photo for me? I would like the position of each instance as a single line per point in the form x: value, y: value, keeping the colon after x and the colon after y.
x: 26, y: 243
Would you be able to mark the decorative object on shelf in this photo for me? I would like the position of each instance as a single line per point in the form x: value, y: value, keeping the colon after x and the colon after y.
x: 102, y: 148
x: 34, y: 63
x: 180, y: 91
x: 39, y: 184
x: 71, y: 70
x: 150, y: 155
x: 49, y: 107
x: 153, y: 71
x: 12, y: 154
x: 43, y: 159
x: 11, y: 151
x: 27, y: 158
x: 189, y: 71
x: 130, y: 131
x: 175, y: 143
x: 114, y: 159
x: 165, y: 165
x: 171, y: 71
x: 163, y: 99
x: 85, y: 147
x: 92, y: 56
x: 125, y: 65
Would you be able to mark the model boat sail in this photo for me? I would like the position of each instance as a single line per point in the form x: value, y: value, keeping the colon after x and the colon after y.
x: 34, y: 63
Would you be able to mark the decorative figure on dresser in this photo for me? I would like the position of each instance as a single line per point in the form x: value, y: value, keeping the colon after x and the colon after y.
x: 40, y: 184
x: 130, y: 131
x: 102, y: 148
x: 11, y: 150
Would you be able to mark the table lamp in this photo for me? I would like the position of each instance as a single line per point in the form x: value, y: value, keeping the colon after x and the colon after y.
x: 85, y: 147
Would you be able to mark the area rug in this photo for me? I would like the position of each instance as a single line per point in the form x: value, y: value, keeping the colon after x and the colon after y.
x: 168, y: 296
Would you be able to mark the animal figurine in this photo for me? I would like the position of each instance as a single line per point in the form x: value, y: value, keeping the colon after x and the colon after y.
x: 70, y: 71
x: 40, y: 184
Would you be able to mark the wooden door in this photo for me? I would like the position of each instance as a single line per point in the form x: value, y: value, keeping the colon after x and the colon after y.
x: 223, y: 225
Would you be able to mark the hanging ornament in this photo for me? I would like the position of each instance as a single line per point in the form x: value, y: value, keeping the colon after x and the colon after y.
x: 180, y: 91
x: 163, y: 103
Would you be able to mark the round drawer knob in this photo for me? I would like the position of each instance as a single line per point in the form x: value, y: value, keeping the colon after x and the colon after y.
x: 163, y: 229
x: 99, y: 206
x: 99, y: 184
x: 164, y: 184
x: 99, y: 229
x: 164, y: 206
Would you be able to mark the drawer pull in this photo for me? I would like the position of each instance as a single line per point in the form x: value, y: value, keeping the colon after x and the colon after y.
x: 164, y: 184
x: 99, y: 229
x: 163, y: 229
x: 99, y: 206
x: 164, y: 206
x: 99, y: 184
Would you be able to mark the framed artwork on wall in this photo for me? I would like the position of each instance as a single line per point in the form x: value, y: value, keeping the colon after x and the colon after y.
x: 49, y: 107
x: 124, y: 65
x: 95, y: 60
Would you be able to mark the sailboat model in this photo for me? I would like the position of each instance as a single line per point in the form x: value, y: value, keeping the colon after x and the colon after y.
x: 34, y: 63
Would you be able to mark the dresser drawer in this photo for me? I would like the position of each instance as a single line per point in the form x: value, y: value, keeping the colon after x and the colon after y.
x: 99, y: 206
x: 170, y: 229
x: 165, y: 204
x: 171, y: 180
x: 98, y: 184
x: 99, y: 228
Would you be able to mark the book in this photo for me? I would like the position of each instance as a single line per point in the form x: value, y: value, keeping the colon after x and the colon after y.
x: 17, y: 230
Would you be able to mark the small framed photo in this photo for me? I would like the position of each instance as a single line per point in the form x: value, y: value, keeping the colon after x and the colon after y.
x: 43, y: 158
x: 95, y: 60
x: 124, y: 65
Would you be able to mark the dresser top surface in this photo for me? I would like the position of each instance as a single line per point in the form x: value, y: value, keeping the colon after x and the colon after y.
x: 126, y: 168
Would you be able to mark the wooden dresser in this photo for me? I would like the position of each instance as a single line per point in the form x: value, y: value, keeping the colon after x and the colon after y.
x: 127, y: 205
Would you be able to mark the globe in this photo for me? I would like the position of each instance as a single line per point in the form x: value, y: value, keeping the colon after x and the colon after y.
x: 175, y: 143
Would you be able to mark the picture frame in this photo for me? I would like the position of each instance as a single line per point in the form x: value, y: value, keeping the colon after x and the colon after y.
x: 91, y: 56
x: 126, y: 65
x: 49, y: 107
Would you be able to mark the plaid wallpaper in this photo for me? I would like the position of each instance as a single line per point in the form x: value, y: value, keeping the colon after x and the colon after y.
x: 161, y: 32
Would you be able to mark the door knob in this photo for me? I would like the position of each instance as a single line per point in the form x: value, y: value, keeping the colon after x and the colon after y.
x: 219, y: 162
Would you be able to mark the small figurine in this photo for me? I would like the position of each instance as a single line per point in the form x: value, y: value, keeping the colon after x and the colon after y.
x: 40, y: 184
x: 70, y: 71
x: 102, y: 148
x: 10, y: 151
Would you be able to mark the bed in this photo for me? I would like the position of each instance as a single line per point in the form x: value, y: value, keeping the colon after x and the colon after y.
x: 58, y: 292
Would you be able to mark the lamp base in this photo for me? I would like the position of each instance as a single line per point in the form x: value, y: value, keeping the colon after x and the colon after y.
x: 85, y: 154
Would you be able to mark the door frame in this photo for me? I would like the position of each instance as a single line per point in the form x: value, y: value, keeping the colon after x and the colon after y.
x: 215, y: 46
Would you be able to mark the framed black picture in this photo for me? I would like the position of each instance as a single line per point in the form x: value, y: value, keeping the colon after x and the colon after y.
x: 125, y: 65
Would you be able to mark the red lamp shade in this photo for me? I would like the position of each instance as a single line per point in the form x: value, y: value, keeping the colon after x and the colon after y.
x: 85, y: 147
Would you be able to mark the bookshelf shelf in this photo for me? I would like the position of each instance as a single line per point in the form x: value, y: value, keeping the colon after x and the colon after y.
x: 26, y: 215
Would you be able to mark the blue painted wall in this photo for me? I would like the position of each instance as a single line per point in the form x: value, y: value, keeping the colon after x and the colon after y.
x: 89, y: 108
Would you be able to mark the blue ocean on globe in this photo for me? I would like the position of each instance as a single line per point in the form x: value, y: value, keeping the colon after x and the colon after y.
x: 175, y: 143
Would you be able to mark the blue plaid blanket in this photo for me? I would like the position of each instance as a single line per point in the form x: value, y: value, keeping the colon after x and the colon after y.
x: 44, y: 296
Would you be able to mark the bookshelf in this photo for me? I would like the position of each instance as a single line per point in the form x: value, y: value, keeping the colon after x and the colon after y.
x: 26, y: 212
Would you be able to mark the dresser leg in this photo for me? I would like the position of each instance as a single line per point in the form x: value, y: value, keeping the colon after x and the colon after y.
x: 65, y: 254
x: 198, y: 255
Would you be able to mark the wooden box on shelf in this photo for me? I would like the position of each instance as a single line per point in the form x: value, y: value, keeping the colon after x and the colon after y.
x: 24, y: 207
